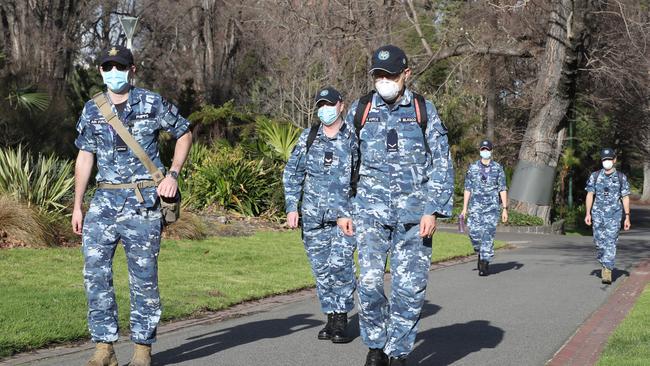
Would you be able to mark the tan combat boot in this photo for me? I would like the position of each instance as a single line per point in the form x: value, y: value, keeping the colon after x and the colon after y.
x: 606, y: 275
x: 104, y: 355
x: 141, y: 355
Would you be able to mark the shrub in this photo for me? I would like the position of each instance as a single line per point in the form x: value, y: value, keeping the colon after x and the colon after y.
x: 519, y: 219
x: 230, y: 179
x: 45, y: 182
x: 23, y: 225
x: 189, y: 226
x: 279, y: 137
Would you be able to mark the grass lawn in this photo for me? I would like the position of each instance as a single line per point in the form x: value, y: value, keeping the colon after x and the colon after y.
x: 42, y: 298
x: 629, y: 345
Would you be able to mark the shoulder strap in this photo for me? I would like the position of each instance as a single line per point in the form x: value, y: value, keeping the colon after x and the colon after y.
x: 361, y: 114
x: 313, y: 131
x: 422, y: 117
x: 105, y: 109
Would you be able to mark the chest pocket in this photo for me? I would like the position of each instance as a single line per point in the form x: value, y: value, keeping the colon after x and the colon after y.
x: 373, y: 141
x: 145, y: 127
x: 411, y: 141
x: 103, y: 135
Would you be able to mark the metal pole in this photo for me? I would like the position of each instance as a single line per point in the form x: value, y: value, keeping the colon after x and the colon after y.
x: 570, y: 198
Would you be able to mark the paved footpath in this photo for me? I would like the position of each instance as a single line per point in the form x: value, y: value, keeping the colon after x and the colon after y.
x: 533, y: 302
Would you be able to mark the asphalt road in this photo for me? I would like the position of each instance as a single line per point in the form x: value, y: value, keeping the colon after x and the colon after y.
x: 534, y: 300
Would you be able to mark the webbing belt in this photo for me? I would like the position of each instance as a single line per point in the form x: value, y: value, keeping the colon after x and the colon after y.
x: 136, y: 186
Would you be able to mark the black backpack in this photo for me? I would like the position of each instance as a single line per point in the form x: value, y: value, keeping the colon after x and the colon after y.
x: 360, y: 117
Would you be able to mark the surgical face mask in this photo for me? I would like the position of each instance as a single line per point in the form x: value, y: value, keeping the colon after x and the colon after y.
x: 387, y: 89
x: 485, y: 154
x: 328, y: 114
x: 116, y: 80
x: 608, y: 164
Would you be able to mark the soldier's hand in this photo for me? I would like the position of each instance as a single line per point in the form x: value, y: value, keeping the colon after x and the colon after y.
x: 627, y: 224
x: 167, y: 188
x: 463, y: 213
x: 77, y: 221
x: 504, y: 216
x: 588, y: 220
x: 345, y: 224
x: 427, y: 226
x: 292, y: 219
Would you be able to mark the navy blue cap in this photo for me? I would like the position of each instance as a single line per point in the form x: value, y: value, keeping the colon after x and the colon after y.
x: 390, y: 59
x: 607, y: 153
x: 119, y: 54
x: 485, y: 144
x: 329, y: 95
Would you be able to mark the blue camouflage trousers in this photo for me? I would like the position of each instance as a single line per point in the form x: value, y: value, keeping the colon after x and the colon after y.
x: 482, y: 228
x: 606, y: 231
x: 391, y: 324
x: 331, y: 255
x: 139, y: 230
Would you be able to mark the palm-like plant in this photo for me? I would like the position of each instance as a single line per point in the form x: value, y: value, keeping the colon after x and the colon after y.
x: 280, y: 137
x: 28, y: 100
x: 44, y: 182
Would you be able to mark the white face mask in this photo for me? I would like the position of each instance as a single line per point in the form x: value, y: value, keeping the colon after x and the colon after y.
x: 485, y: 154
x: 387, y: 89
x: 608, y: 164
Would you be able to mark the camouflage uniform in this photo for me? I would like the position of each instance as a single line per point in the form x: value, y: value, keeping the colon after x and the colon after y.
x: 116, y: 214
x: 396, y: 188
x: 322, y: 176
x: 607, y: 211
x: 485, y: 183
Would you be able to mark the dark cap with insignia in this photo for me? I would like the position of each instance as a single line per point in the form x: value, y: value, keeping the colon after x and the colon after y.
x: 607, y: 154
x: 329, y: 95
x: 485, y: 144
x: 390, y: 59
x: 119, y: 54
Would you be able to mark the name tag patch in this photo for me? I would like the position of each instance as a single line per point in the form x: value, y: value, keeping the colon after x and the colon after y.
x: 372, y: 119
x: 408, y: 119
x: 97, y: 121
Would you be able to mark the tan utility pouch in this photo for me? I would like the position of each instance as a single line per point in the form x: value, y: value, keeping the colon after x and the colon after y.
x: 171, y: 208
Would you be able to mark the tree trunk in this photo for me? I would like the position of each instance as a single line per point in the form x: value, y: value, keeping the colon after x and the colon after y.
x: 646, y: 181
x: 552, y: 97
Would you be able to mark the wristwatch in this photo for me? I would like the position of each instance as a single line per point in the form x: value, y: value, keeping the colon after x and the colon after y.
x: 173, y: 174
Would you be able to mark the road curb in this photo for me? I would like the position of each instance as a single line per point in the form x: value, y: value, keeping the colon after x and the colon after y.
x: 586, y: 345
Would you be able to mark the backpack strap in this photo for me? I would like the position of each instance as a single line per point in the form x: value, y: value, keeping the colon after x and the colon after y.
x: 360, y: 116
x: 313, y: 132
x: 107, y: 112
x: 422, y: 117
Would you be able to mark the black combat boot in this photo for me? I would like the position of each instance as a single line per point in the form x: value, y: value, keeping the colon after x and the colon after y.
x: 483, y: 268
x: 339, y: 327
x: 397, y: 361
x: 326, y: 333
x: 376, y: 357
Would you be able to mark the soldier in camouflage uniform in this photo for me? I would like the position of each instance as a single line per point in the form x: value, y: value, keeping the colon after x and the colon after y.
x: 608, y: 198
x: 485, y: 184
x: 405, y: 181
x: 121, y: 210
x: 319, y: 170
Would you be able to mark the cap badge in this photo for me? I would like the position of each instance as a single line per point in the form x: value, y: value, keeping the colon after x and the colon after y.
x: 324, y: 93
x: 383, y: 55
x: 113, y: 52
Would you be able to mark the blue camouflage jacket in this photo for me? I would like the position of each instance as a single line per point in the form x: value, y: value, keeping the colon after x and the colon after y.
x: 608, y: 191
x: 145, y: 114
x: 321, y: 176
x: 485, y: 183
x: 401, y: 184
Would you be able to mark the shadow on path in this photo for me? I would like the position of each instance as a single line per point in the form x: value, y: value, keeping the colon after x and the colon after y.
x: 616, y: 273
x: 211, y: 343
x: 502, y: 267
x: 446, y: 345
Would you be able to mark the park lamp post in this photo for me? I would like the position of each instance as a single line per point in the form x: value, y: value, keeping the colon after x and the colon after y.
x: 128, y: 24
